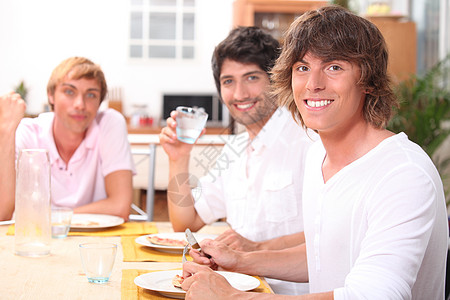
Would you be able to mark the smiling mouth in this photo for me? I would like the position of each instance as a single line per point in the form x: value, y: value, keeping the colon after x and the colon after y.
x: 318, y: 103
x: 245, y: 106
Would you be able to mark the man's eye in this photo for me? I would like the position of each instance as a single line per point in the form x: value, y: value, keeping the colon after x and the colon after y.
x: 92, y: 95
x: 68, y: 92
x: 252, y: 78
x: 302, y: 68
x: 227, y: 81
x: 335, y: 68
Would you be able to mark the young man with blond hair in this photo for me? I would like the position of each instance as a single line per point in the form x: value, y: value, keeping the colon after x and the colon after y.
x: 90, y: 156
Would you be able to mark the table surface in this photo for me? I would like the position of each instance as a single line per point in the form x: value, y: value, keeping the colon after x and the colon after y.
x: 60, y: 275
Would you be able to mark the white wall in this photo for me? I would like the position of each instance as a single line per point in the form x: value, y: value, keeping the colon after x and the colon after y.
x: 35, y: 36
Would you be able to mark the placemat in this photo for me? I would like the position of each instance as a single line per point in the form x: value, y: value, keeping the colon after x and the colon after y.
x: 130, y: 291
x: 127, y: 228
x: 133, y: 251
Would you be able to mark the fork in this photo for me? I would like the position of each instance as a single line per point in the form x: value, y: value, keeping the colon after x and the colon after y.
x: 183, y: 260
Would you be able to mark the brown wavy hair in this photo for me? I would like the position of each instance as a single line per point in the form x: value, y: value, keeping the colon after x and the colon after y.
x: 334, y: 33
x: 78, y: 67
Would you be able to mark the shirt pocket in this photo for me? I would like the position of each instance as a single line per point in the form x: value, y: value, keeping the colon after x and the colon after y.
x: 279, y: 198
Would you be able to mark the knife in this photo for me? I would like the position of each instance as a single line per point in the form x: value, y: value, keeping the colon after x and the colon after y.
x: 193, y: 242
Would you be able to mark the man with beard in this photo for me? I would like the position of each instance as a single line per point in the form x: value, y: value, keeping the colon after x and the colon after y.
x: 259, y: 191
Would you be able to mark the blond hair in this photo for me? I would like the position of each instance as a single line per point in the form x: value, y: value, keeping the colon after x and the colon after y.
x: 76, y: 68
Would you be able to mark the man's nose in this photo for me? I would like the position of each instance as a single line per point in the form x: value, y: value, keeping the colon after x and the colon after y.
x: 316, y: 81
x: 79, y: 102
x: 241, y: 92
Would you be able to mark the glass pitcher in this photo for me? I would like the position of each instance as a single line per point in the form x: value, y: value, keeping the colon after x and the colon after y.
x: 33, y: 208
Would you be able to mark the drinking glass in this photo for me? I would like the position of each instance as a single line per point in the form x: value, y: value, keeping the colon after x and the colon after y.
x: 190, y: 123
x: 98, y: 260
x: 61, y: 218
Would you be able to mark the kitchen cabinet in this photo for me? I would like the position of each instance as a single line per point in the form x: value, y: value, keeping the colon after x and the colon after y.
x: 275, y: 16
x: 401, y: 40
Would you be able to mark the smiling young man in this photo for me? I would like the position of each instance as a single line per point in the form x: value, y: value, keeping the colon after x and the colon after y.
x: 259, y: 190
x: 91, y: 163
x: 374, y: 211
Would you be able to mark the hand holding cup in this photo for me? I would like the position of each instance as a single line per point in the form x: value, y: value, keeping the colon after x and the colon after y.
x: 190, y: 123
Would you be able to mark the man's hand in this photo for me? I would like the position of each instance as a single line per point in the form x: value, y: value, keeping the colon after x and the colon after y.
x: 168, y: 140
x: 180, y: 201
x: 236, y: 241
x: 203, y: 283
x: 222, y: 257
x: 12, y: 109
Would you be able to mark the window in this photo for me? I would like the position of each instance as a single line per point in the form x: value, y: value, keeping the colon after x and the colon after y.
x: 162, y: 29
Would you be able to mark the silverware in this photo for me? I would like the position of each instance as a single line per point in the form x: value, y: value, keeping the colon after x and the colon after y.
x: 183, y: 260
x: 193, y: 242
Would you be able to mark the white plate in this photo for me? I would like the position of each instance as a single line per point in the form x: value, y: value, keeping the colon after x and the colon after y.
x: 84, y: 221
x: 171, y: 235
x: 161, y: 282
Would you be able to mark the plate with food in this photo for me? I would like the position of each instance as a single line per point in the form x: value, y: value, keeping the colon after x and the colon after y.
x: 94, y: 221
x: 172, y: 242
x: 168, y: 283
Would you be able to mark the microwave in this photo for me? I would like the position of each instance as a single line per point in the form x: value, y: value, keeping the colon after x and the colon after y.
x: 218, y: 115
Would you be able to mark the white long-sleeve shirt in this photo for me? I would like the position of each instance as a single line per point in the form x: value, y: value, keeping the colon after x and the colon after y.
x: 378, y: 228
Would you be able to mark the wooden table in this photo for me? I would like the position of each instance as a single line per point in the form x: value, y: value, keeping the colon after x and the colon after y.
x: 60, y: 275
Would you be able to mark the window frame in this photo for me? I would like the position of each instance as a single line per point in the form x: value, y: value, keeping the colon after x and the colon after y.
x: 145, y: 42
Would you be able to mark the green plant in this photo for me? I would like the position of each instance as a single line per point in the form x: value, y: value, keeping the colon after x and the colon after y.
x: 423, y: 113
x: 22, y: 90
x: 343, y: 3
x: 352, y: 5
x: 424, y: 107
x: 443, y: 165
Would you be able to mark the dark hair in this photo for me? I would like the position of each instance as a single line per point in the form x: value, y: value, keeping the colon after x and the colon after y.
x: 245, y: 45
x: 334, y: 33
x: 77, y: 68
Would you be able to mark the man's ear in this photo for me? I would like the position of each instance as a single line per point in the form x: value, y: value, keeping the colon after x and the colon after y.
x: 51, y: 99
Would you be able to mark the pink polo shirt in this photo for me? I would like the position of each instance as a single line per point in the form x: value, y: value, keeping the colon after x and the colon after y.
x: 104, y: 150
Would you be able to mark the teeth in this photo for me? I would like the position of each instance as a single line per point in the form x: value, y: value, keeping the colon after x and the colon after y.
x: 320, y: 103
x: 244, y: 106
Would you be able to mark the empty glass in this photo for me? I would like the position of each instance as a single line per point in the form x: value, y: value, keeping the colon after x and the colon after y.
x: 61, y: 218
x: 98, y: 260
